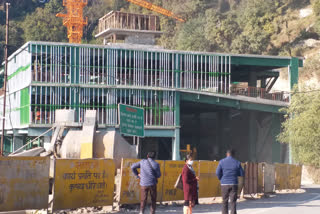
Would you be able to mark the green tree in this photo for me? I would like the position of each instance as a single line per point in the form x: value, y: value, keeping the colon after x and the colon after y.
x: 43, y: 25
x: 220, y: 29
x: 94, y: 11
x: 302, y: 127
x: 316, y: 7
x: 191, y: 36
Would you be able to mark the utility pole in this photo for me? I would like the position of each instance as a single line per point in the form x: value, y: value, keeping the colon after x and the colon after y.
x: 5, y: 77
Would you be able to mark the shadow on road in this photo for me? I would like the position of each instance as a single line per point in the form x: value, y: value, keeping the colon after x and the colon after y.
x: 282, y: 199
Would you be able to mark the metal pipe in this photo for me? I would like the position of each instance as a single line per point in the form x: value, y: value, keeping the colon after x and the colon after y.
x: 225, y: 74
x: 221, y: 87
x: 229, y: 74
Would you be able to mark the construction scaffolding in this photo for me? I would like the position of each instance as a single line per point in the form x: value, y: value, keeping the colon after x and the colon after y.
x: 121, y: 67
x: 46, y: 76
x: 129, y: 21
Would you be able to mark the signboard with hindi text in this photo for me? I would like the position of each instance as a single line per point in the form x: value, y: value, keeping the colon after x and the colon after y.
x: 83, y: 183
x: 131, y: 120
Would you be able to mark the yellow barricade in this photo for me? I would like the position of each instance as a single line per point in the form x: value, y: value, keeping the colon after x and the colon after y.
x: 83, y: 183
x: 260, y: 178
x: 130, y: 187
x: 172, y: 170
x: 209, y: 184
x: 24, y: 183
x: 282, y: 176
x: 295, y: 176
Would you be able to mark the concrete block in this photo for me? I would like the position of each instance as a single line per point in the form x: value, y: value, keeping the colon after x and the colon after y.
x: 65, y: 116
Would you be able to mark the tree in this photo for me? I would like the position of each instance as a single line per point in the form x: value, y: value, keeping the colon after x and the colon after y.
x: 94, y: 11
x: 43, y: 25
x: 316, y: 7
x: 302, y: 127
x: 220, y: 29
x: 191, y: 36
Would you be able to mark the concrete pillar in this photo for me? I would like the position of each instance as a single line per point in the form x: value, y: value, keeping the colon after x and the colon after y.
x: 263, y: 83
x: 252, y: 136
x: 293, y: 72
x: 252, y: 79
x: 276, y: 146
x: 176, y: 139
x: 176, y: 145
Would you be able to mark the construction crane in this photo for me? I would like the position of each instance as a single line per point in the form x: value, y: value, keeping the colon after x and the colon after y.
x: 75, y: 22
x: 73, y: 19
x: 157, y: 9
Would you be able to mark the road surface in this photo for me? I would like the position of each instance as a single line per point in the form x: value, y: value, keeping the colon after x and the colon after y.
x: 306, y: 201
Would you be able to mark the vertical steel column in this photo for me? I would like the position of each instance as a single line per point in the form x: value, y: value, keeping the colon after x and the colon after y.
x: 40, y: 63
x: 221, y: 77
x: 130, y: 68
x: 229, y: 74
x: 205, y: 72
x: 120, y: 69
x: 197, y: 88
x: 151, y: 70
x: 147, y: 74
x: 125, y: 65
x: 209, y: 73
x: 65, y: 65
x: 36, y: 64
x: 46, y: 76
x: 134, y: 68
x: 172, y: 71
x: 108, y: 67
x: 225, y: 74
x: 156, y: 69
x: 98, y: 73
x: 103, y: 81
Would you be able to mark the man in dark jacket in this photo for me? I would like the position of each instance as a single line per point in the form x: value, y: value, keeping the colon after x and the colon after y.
x: 149, y: 174
x: 228, y: 171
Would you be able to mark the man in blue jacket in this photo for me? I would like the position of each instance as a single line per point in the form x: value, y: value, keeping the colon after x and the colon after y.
x: 149, y: 174
x: 228, y: 171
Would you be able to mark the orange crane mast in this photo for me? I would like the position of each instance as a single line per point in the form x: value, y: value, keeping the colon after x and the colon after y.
x: 74, y: 20
x: 157, y: 9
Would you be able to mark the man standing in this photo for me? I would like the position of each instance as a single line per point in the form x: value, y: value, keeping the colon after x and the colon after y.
x: 228, y: 171
x: 149, y: 174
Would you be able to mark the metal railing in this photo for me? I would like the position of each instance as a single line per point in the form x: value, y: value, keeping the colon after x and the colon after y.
x: 261, y: 93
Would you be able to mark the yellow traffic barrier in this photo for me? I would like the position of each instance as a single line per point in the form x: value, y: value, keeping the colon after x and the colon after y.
x: 209, y: 184
x: 260, y: 178
x: 172, y: 170
x: 282, y: 176
x: 295, y: 176
x: 24, y: 183
x: 130, y: 187
x: 83, y: 183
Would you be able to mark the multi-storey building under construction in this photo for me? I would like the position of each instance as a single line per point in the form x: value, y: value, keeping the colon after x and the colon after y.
x: 211, y: 101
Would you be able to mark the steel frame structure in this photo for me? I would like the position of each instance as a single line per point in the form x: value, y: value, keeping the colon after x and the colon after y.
x: 47, y: 76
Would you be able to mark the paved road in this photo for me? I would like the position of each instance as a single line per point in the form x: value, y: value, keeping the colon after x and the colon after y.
x: 284, y: 203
